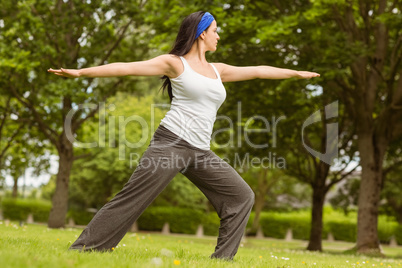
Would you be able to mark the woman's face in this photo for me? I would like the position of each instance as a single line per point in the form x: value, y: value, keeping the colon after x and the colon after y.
x: 211, y: 37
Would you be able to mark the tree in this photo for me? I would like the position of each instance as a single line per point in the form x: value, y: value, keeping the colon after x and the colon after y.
x: 320, y: 172
x: 357, y: 45
x: 262, y: 37
x: 368, y: 55
x: 10, y: 127
x: 19, y: 147
x: 271, y: 184
x: 70, y: 34
x: 347, y: 195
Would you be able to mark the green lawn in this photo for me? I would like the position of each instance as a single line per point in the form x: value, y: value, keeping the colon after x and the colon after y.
x: 37, y: 246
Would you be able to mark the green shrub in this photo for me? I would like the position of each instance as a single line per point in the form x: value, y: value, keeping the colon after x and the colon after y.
x: 15, y: 209
x: 398, y: 234
x: 342, y: 227
x: 211, y: 223
x: 181, y: 220
x: 40, y: 210
x: 80, y: 217
x: 276, y: 224
x: 250, y: 231
x: 343, y: 230
x: 184, y: 220
x: 19, y: 209
x: 273, y: 225
x: 386, y: 229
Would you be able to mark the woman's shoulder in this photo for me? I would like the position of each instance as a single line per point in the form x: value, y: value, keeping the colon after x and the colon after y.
x: 175, y: 63
x: 219, y: 66
x: 171, y: 58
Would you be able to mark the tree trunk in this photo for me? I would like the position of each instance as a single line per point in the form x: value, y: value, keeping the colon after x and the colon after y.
x: 15, y: 188
x: 399, y: 215
x: 315, y: 242
x: 371, y: 160
x: 260, y: 193
x: 57, y: 216
x: 258, y: 206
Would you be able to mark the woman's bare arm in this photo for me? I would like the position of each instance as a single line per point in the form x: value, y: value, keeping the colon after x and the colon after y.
x: 231, y: 73
x: 161, y: 65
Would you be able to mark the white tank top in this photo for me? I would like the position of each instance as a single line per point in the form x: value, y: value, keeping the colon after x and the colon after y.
x: 196, y: 101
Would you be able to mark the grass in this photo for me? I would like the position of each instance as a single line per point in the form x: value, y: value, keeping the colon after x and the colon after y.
x: 38, y: 246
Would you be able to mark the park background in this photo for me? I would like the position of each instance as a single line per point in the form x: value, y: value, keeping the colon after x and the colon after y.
x: 354, y: 45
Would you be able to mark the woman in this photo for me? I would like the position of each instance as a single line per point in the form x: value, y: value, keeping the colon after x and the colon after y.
x: 196, y: 92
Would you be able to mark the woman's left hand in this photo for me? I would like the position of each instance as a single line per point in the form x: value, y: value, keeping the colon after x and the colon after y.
x: 306, y: 75
x: 71, y: 73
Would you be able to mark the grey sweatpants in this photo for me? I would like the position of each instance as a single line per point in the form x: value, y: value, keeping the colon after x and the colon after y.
x: 167, y: 155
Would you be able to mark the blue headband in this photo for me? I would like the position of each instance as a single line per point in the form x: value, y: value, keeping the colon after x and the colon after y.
x: 206, y: 20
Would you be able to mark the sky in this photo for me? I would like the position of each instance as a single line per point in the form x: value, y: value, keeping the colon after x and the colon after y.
x: 36, y: 181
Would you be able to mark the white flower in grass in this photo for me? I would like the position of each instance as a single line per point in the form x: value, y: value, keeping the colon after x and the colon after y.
x: 166, y: 252
x: 156, y: 261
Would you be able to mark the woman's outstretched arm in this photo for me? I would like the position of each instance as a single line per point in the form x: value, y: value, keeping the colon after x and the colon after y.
x: 231, y: 73
x: 161, y: 65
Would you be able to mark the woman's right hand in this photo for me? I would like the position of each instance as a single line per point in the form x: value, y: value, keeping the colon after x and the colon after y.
x: 65, y: 72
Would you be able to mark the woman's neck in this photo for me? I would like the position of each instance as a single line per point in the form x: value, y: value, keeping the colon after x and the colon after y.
x: 197, y: 53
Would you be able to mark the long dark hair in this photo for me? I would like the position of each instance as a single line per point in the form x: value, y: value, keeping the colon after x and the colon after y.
x: 184, y: 42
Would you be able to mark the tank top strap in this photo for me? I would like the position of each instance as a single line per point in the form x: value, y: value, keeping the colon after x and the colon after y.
x: 216, y: 71
x: 187, y: 66
x: 185, y: 63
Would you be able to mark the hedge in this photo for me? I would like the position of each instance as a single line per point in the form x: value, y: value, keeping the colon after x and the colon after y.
x: 398, y: 234
x: 211, y: 224
x: 387, y: 229
x: 344, y: 230
x: 80, y: 217
x: 19, y: 209
x: 182, y: 220
x: 277, y: 224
